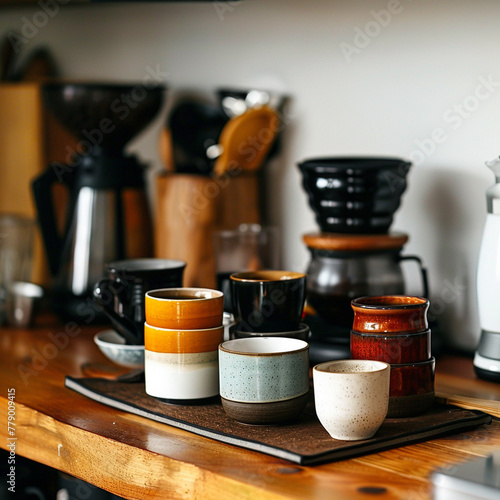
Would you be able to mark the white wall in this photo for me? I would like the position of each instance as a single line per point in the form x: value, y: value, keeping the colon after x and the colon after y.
x: 429, y: 58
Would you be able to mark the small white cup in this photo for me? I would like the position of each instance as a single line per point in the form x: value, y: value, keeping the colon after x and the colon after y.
x: 351, y: 397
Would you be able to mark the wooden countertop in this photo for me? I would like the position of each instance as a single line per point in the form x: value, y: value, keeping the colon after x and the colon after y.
x: 137, y: 458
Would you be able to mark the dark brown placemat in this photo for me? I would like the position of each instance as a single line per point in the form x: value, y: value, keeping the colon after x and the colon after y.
x: 304, y: 442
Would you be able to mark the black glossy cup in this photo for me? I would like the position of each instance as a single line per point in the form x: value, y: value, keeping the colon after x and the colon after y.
x: 268, y: 300
x: 122, y: 296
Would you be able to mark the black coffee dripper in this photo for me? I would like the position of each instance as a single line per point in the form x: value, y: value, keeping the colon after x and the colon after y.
x: 354, y: 194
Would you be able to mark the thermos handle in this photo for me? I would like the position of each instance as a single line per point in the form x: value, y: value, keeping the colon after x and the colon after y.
x: 423, y: 272
x: 103, y: 292
x: 42, y: 192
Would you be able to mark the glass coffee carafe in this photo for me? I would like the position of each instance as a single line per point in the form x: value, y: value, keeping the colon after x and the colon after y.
x: 344, y: 267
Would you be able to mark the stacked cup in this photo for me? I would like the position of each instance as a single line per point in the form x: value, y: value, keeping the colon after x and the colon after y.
x: 183, y: 329
x: 264, y: 368
x: 264, y: 380
x: 268, y: 303
x: 394, y: 329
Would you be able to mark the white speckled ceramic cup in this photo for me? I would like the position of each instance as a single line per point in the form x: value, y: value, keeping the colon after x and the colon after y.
x: 264, y: 380
x: 351, y: 397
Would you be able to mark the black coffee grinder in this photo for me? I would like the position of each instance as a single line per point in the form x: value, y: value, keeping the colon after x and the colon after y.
x: 354, y: 200
x: 107, y: 212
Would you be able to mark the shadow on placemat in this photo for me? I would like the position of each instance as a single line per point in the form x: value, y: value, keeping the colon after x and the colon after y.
x: 304, y: 441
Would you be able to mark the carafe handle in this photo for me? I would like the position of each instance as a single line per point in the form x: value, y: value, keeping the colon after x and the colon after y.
x: 42, y: 193
x: 423, y: 272
x: 102, y: 294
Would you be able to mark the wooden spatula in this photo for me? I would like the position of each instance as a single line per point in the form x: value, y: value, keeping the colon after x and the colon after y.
x: 246, y: 139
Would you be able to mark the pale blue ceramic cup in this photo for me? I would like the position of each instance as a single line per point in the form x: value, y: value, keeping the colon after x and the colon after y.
x: 264, y: 380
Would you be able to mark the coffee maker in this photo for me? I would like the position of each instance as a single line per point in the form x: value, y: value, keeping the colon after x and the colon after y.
x: 354, y: 254
x: 487, y: 356
x: 107, y: 212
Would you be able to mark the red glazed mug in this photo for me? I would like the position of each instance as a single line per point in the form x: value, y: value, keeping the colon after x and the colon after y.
x: 412, y: 388
x: 408, y: 379
x: 391, y: 348
x: 390, y: 314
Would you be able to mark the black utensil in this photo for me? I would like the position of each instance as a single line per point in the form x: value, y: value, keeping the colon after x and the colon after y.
x: 195, y: 127
x: 123, y: 326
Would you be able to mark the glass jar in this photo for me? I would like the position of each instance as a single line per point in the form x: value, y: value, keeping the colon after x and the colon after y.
x: 344, y: 267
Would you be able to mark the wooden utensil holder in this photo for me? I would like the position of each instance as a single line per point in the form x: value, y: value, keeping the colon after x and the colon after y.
x: 189, y: 208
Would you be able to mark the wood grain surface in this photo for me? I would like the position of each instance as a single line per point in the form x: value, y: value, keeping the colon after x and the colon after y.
x: 141, y: 459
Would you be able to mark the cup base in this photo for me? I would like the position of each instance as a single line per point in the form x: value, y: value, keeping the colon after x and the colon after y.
x: 409, y: 406
x: 353, y: 437
x: 276, y: 412
x: 190, y: 402
x: 302, y: 333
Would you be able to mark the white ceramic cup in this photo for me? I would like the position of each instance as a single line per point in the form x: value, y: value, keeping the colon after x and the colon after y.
x: 181, y: 365
x: 351, y: 397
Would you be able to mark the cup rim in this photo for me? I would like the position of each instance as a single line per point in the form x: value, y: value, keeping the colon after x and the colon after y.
x: 377, y: 302
x: 187, y: 331
x: 303, y: 327
x: 214, y: 294
x: 392, y: 334
x: 246, y: 276
x: 335, y: 164
x: 154, y: 265
x: 246, y: 230
x: 26, y: 289
x: 431, y: 361
x: 14, y: 219
x: 321, y: 367
x: 102, y: 342
x: 300, y: 346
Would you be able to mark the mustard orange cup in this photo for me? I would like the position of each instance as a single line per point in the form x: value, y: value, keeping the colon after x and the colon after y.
x: 182, y: 341
x: 184, y: 308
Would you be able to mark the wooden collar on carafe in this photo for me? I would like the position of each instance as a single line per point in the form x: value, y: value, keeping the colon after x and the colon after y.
x: 354, y: 242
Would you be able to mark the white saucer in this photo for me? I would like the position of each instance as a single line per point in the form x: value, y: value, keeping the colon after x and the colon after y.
x: 113, y: 346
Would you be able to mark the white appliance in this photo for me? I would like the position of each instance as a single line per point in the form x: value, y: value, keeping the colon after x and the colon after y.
x: 487, y: 356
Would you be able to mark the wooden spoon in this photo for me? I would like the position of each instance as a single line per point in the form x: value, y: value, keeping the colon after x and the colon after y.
x: 246, y: 139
